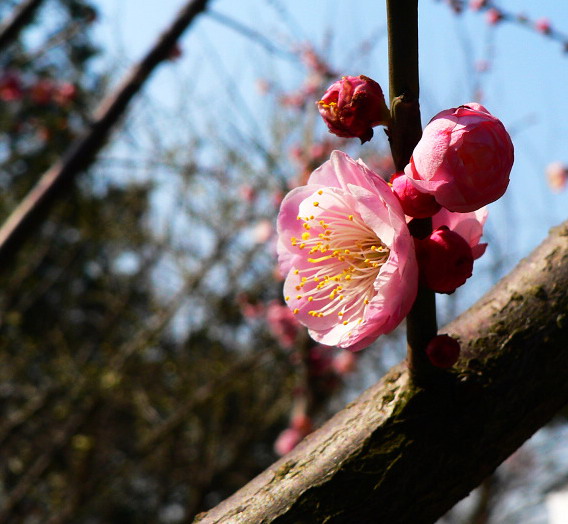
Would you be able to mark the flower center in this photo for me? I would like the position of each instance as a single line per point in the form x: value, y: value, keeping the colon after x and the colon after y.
x: 344, y: 256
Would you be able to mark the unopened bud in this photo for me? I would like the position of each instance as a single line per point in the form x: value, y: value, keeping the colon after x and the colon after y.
x: 352, y: 106
x: 414, y: 203
x: 445, y: 260
x: 443, y: 351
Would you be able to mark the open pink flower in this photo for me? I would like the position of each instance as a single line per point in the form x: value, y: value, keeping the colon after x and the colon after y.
x: 344, y: 243
x: 463, y: 159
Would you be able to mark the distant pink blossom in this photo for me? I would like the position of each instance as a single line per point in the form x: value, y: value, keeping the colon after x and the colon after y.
x: 282, y: 324
x: 542, y: 25
x: 262, y: 231
x: 348, y: 254
x: 42, y: 91
x: 248, y: 193
x: 476, y: 5
x: 557, y: 176
x: 352, y: 106
x: 64, y: 93
x: 10, y: 87
x: 463, y: 159
x: 287, y: 441
x: 468, y: 225
x: 493, y: 16
x: 301, y: 422
x: 345, y: 362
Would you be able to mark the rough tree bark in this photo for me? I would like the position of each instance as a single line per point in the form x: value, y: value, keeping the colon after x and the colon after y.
x: 403, y: 453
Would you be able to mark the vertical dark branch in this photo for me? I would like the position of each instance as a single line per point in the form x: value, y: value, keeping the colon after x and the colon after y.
x: 404, y: 134
x: 20, y: 17
x: 53, y: 184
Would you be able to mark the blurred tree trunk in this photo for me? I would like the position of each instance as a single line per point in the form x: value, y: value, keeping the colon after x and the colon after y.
x: 402, y: 453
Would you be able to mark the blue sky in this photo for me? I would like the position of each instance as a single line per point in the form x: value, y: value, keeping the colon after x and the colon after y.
x: 525, y: 87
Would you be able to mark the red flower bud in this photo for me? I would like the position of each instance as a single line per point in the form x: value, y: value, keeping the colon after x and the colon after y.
x: 443, y: 351
x: 445, y: 260
x: 414, y: 203
x: 352, y: 106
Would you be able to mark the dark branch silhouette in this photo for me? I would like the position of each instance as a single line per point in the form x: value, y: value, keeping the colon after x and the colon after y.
x: 402, y: 453
x: 54, y: 183
x: 18, y: 19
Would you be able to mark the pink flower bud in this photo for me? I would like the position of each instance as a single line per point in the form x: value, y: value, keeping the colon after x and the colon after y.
x: 443, y: 351
x: 352, y: 106
x: 445, y: 260
x: 463, y: 159
x: 414, y: 203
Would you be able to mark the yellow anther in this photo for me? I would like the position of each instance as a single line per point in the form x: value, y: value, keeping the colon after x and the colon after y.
x: 298, y: 288
x: 302, y: 245
x: 316, y: 204
x: 296, y: 271
x: 298, y: 297
x: 366, y: 301
x: 310, y: 299
x: 320, y: 192
x: 341, y: 297
x: 305, y: 235
x: 306, y: 226
x: 345, y: 322
x: 347, y: 252
x: 286, y: 298
x: 350, y: 217
x: 296, y: 311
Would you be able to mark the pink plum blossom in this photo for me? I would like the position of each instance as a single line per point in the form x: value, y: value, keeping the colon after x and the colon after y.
x: 463, y: 159
x: 352, y: 106
x: 348, y: 255
x: 468, y: 225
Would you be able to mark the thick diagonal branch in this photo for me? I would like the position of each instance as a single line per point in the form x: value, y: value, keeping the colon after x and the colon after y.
x: 53, y: 184
x: 403, y: 454
x: 18, y: 19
